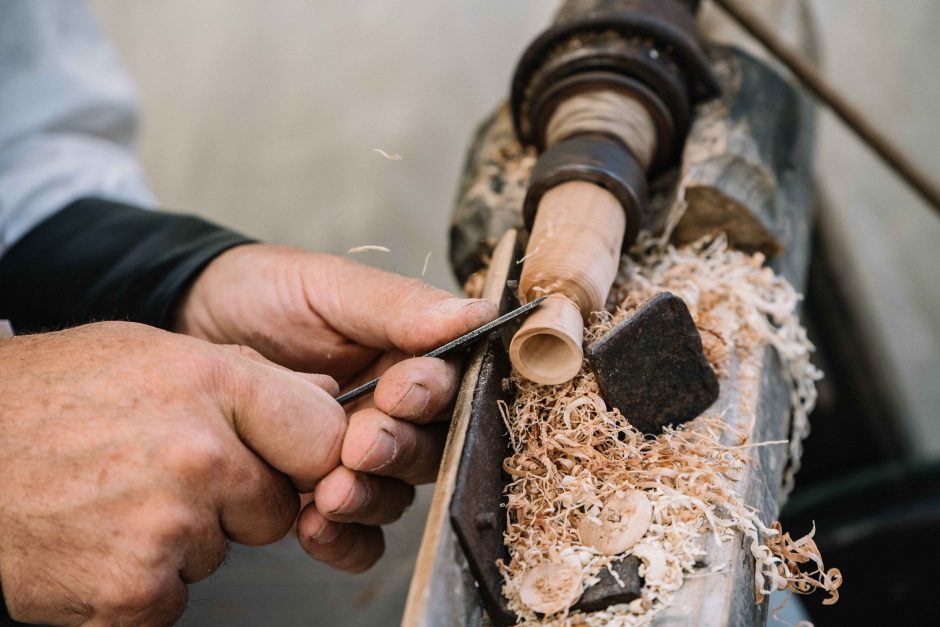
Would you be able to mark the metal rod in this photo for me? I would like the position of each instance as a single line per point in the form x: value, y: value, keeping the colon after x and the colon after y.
x: 893, y: 156
x: 449, y: 347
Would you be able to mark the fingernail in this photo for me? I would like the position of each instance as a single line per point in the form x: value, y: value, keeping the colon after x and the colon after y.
x: 413, y: 403
x: 359, y: 495
x: 453, y: 306
x: 326, y: 534
x: 380, y: 454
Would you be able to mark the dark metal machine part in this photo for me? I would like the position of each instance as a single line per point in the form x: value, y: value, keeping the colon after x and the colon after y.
x: 647, y: 49
x: 607, y: 591
x: 446, y: 349
x: 595, y: 159
x: 652, y: 366
x: 596, y: 43
x: 477, y: 508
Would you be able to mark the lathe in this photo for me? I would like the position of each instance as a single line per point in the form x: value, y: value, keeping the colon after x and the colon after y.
x: 623, y: 128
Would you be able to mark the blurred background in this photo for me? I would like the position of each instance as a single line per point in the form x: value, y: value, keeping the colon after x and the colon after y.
x: 266, y: 117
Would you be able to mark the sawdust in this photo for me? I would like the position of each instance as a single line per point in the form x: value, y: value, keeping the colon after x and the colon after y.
x: 572, y: 456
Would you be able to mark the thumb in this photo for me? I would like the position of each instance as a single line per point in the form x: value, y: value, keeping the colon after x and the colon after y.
x: 384, y: 310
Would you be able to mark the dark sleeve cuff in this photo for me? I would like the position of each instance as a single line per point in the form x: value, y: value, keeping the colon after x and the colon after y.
x: 101, y: 260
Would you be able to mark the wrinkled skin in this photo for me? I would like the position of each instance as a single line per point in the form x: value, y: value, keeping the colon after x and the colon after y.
x: 131, y: 456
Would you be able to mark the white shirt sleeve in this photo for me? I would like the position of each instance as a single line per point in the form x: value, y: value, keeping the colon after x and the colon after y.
x: 68, y: 113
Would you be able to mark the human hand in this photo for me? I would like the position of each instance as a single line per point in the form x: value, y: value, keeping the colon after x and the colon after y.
x: 319, y: 313
x: 129, y: 455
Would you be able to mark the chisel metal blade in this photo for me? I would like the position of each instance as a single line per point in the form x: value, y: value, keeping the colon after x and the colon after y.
x: 451, y: 346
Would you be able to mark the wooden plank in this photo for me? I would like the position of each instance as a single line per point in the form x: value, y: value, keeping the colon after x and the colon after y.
x: 727, y: 597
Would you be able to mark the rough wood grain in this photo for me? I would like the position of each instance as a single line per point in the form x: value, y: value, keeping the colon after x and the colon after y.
x: 747, y: 158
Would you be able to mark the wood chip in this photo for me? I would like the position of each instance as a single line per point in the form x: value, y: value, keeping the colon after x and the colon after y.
x: 654, y: 562
x: 549, y: 588
x: 367, y: 248
x: 427, y: 259
x: 394, y: 157
x: 623, y: 521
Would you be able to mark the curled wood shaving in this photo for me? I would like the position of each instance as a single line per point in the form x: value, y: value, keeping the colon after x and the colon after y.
x: 803, y: 550
x: 571, y: 454
x: 392, y: 157
x: 367, y: 248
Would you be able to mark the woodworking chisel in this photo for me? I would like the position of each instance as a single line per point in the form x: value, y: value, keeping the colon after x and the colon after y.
x: 451, y: 346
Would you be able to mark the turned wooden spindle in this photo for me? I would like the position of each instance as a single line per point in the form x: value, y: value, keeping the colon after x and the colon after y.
x: 575, y: 242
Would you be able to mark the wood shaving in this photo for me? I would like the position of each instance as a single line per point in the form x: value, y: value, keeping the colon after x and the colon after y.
x: 549, y: 588
x: 427, y: 259
x: 619, y: 525
x: 572, y: 455
x: 473, y: 288
x: 392, y: 157
x: 367, y: 248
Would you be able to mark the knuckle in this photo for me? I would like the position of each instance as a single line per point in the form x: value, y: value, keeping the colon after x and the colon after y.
x: 280, y: 508
x: 247, y: 352
x: 170, y: 526
x: 363, y: 552
x: 144, y: 592
x: 207, y: 558
x: 146, y: 598
x: 211, y: 367
x: 198, y: 455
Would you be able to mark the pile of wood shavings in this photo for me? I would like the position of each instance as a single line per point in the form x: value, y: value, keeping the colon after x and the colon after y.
x: 572, y: 454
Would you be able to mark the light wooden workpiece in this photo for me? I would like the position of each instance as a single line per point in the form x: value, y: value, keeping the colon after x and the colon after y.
x: 573, y: 254
x: 574, y: 248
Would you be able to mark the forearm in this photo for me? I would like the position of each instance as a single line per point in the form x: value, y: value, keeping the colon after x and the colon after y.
x: 103, y: 260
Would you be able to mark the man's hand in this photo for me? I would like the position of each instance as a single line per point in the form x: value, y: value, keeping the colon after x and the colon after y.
x: 128, y: 455
x: 319, y: 313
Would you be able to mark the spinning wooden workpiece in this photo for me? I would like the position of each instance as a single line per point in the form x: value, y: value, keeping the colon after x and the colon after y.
x: 603, y: 124
x: 576, y: 239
